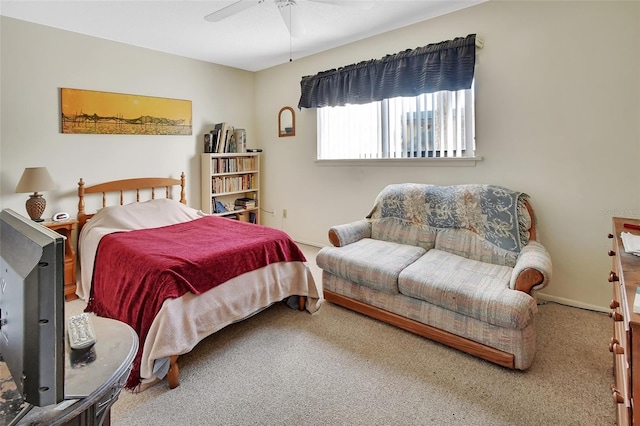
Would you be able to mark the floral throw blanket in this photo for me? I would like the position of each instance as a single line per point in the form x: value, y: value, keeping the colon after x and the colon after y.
x: 492, y: 212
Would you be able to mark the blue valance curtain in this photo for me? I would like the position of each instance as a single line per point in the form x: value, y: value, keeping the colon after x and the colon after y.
x: 448, y: 65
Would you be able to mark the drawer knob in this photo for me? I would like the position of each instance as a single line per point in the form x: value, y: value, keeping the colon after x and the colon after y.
x: 613, y: 277
x: 616, y: 348
x: 610, y: 236
x: 611, y: 253
x: 616, y: 316
x: 614, y: 341
x: 617, y: 396
x: 614, y: 304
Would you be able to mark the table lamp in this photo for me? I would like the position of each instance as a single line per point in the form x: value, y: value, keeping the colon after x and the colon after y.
x: 35, y: 179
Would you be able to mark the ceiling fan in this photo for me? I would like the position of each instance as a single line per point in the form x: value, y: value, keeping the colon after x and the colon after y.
x: 288, y: 11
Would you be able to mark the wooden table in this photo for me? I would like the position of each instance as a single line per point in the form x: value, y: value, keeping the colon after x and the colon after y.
x: 94, y: 380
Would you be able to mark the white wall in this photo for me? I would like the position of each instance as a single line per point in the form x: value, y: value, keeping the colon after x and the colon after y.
x: 37, y: 61
x: 558, y: 116
x: 558, y: 113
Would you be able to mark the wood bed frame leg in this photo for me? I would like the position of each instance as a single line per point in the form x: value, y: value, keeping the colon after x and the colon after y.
x: 174, y: 371
x: 302, y: 301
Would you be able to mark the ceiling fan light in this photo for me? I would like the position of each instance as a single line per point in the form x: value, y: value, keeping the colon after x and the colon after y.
x: 285, y: 3
x: 292, y: 19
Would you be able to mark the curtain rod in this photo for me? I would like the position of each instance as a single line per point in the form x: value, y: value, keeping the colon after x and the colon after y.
x: 479, y: 43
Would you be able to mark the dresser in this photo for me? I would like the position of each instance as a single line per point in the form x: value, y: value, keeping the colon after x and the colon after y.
x: 625, y: 343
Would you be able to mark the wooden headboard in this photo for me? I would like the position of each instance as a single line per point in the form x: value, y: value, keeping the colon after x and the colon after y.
x: 123, y: 185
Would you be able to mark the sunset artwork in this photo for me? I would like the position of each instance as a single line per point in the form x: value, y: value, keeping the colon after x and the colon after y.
x: 87, y: 111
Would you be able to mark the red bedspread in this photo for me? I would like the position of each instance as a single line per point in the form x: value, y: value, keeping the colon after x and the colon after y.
x: 136, y: 271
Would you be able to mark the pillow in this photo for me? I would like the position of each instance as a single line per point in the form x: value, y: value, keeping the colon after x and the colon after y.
x: 148, y: 214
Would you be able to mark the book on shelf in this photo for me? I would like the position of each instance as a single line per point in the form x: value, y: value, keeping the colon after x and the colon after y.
x: 217, y: 206
x: 214, y: 140
x: 225, y: 139
x: 242, y: 183
x: 244, y: 206
x: 231, y: 144
x: 245, y: 203
x: 219, y: 132
x: 233, y: 147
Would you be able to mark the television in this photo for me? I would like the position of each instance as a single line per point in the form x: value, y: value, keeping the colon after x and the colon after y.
x: 32, y: 340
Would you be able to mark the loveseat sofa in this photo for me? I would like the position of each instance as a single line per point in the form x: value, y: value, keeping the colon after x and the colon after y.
x: 456, y: 264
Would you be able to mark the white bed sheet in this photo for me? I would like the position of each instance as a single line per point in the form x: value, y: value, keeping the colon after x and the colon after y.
x: 148, y: 214
x: 175, y: 330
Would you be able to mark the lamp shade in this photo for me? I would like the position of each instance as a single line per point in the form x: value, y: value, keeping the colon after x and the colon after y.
x: 35, y: 179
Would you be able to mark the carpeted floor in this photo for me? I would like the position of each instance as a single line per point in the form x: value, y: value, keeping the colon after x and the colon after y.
x: 338, y: 367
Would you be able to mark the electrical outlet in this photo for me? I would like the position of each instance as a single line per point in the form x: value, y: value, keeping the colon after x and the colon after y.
x: 284, y: 213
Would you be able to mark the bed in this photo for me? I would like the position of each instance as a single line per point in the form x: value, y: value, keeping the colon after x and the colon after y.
x: 226, y: 270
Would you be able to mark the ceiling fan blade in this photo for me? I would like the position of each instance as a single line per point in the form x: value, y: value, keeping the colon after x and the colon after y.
x: 292, y: 19
x: 232, y: 9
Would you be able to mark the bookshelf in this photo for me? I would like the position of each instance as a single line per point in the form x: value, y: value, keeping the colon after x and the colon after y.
x: 228, y: 177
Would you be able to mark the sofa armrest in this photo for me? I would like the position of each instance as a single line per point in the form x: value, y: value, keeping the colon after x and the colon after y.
x: 341, y: 235
x: 532, y: 270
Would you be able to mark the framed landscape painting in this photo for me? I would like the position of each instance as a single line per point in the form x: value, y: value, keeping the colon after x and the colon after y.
x: 87, y: 111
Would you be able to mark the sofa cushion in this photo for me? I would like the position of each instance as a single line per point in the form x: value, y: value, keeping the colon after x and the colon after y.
x: 468, y: 244
x: 369, y: 262
x: 403, y: 232
x: 476, y: 289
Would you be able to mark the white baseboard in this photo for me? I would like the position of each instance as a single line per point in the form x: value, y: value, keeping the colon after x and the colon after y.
x: 571, y: 302
x: 307, y: 243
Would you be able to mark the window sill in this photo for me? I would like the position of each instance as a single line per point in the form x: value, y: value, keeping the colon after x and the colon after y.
x: 402, y: 162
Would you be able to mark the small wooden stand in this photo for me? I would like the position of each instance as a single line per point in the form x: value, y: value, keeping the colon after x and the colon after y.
x: 66, y: 228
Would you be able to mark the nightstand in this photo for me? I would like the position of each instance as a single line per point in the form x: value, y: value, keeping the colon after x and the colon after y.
x: 66, y: 228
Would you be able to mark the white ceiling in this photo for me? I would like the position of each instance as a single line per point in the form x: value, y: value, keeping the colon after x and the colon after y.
x: 253, y: 39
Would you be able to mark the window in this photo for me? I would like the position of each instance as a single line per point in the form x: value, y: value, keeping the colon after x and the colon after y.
x: 418, y: 103
x: 433, y: 125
